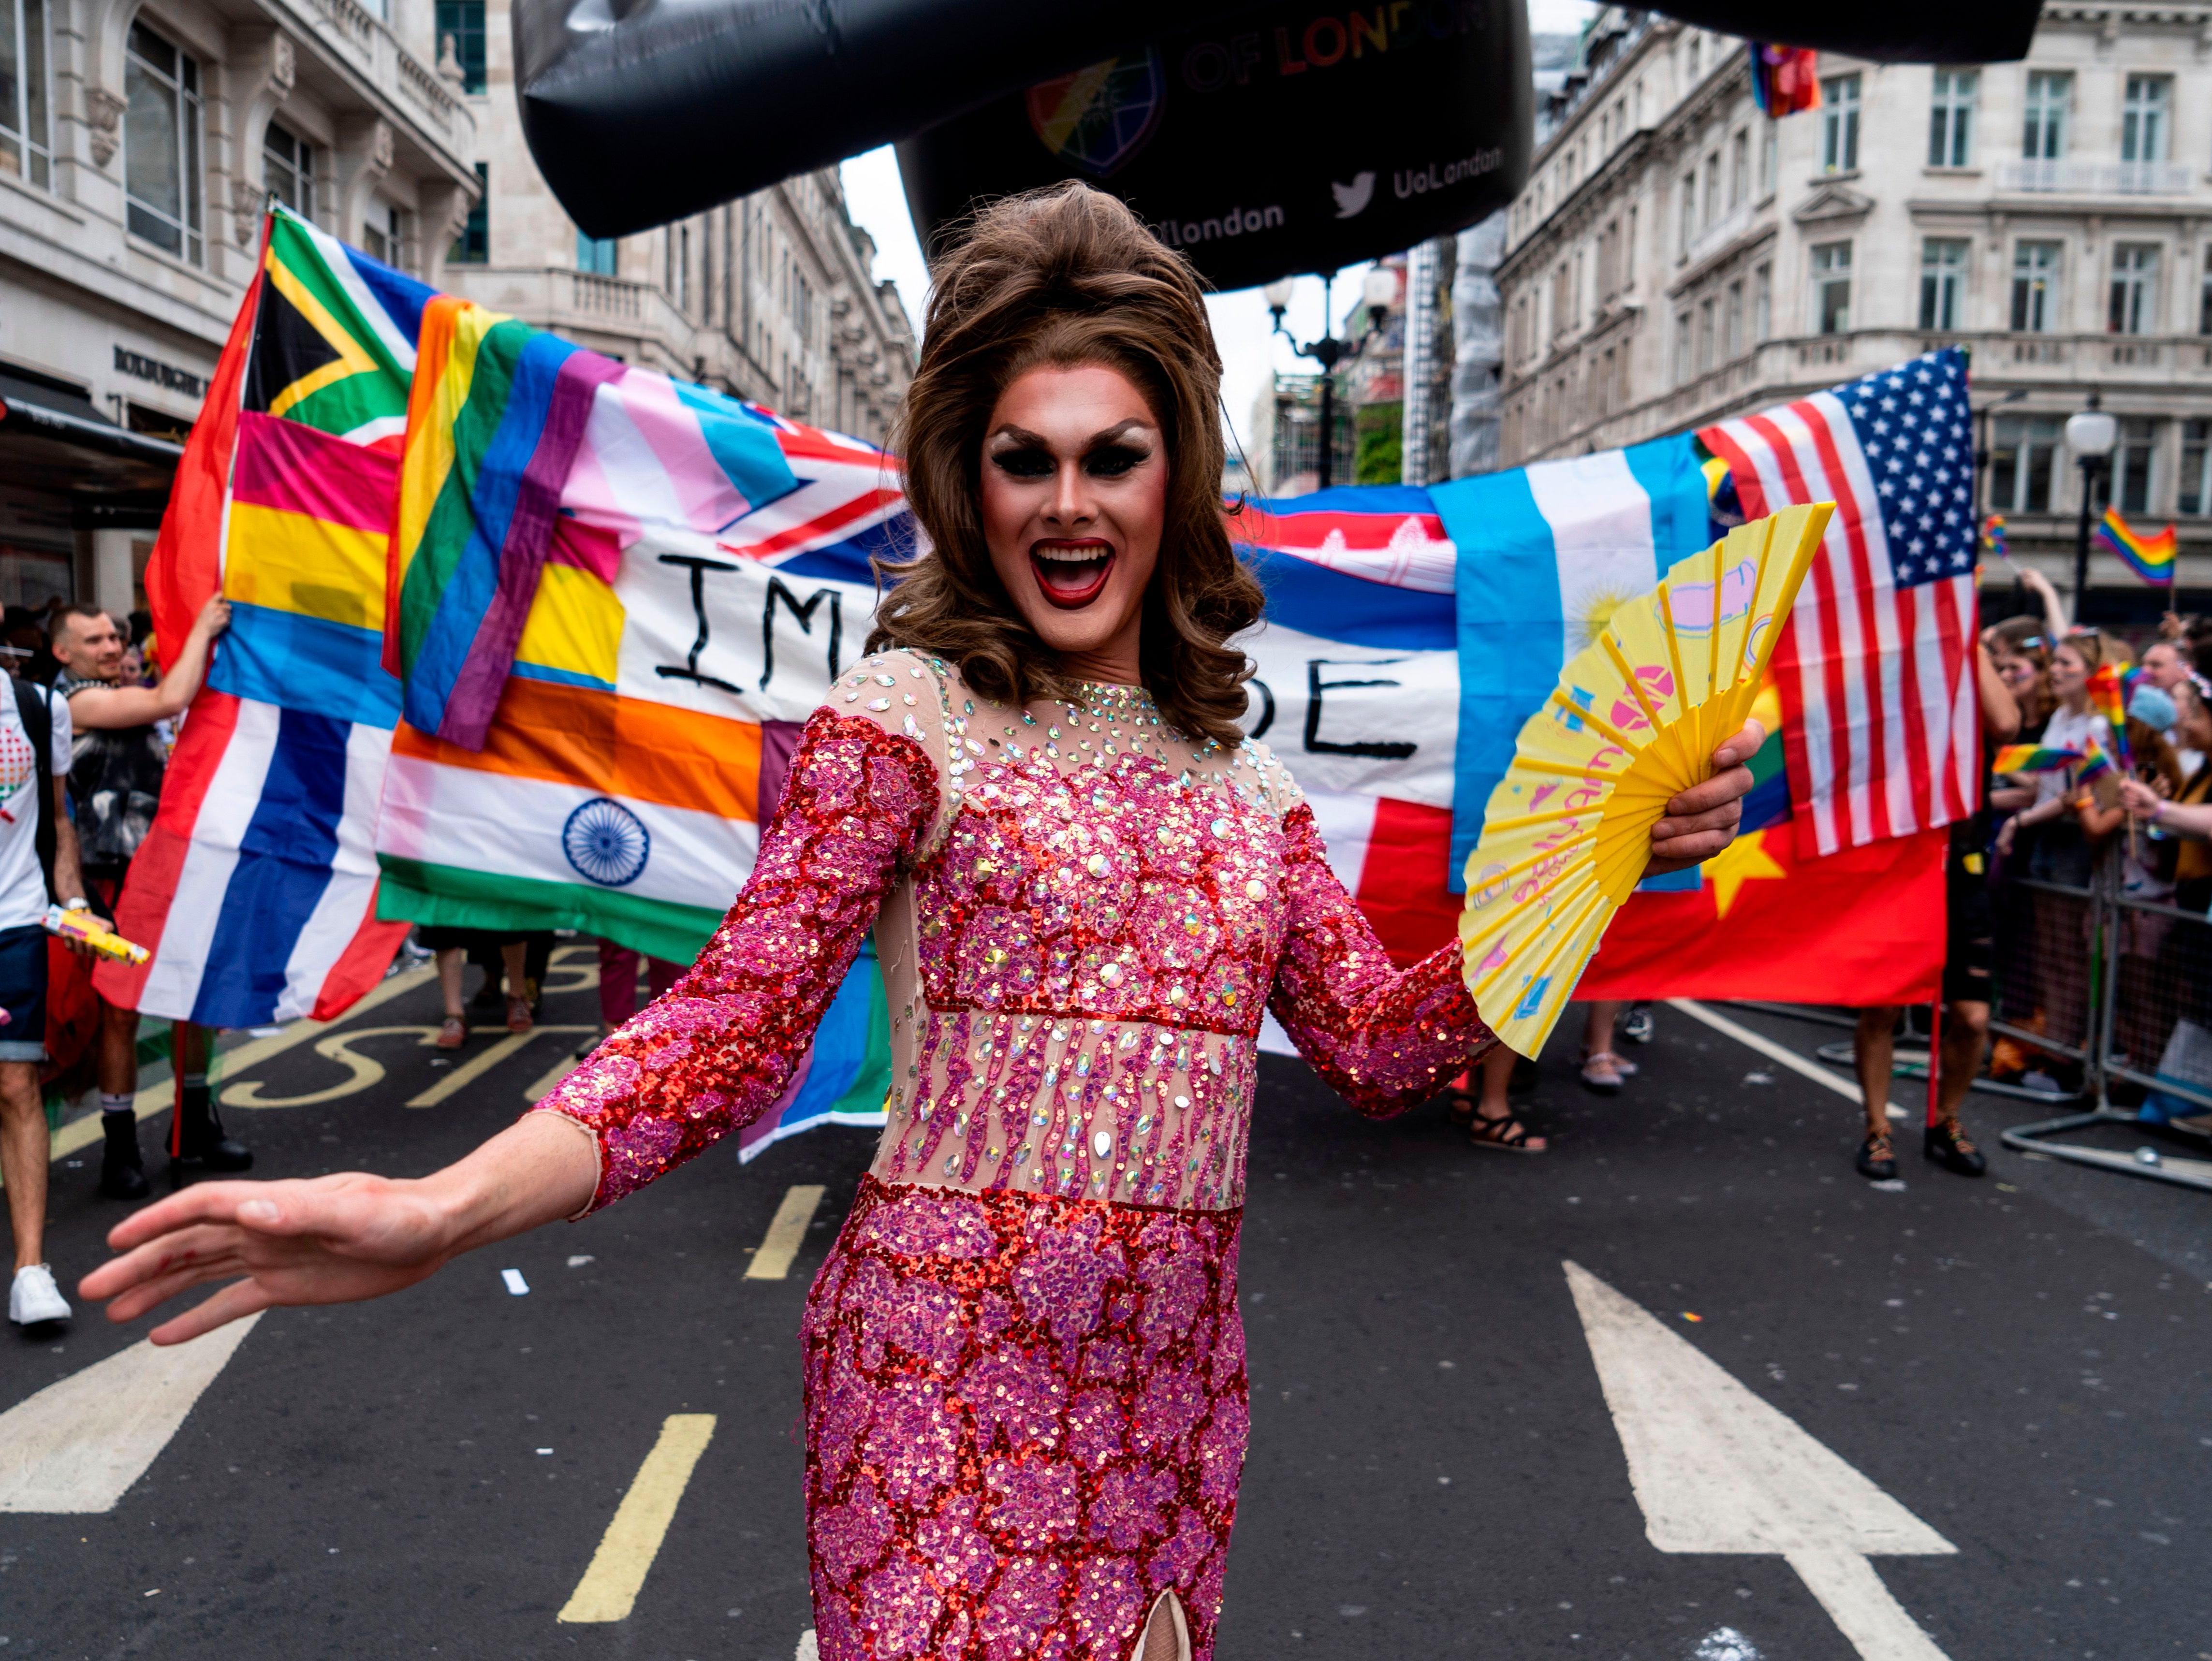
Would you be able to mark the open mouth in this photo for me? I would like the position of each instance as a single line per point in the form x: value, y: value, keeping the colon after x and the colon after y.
x: 1072, y: 574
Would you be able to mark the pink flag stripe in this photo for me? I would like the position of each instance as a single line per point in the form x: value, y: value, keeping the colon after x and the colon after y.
x: 284, y: 465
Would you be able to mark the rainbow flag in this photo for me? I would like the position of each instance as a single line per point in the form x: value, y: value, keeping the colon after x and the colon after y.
x: 2095, y: 764
x: 2109, y: 686
x: 1993, y: 536
x: 267, y: 816
x: 1784, y: 79
x: 2150, y: 558
x: 2032, y: 758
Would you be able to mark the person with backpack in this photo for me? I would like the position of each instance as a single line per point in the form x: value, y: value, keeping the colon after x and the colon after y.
x: 37, y: 864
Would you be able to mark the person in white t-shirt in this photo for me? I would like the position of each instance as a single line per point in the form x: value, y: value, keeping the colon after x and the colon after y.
x: 28, y: 876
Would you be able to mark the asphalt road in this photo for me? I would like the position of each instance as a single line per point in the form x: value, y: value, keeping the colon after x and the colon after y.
x: 2020, y: 1362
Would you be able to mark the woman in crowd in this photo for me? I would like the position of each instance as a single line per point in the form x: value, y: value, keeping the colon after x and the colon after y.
x: 1026, y: 1393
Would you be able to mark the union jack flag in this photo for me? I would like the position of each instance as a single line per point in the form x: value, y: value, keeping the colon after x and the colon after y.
x: 1881, y: 735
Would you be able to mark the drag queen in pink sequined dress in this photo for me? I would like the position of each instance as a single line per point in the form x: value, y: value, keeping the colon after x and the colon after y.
x: 1024, y: 1363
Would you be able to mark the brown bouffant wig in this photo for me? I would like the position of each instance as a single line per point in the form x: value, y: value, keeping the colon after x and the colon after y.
x: 1063, y: 277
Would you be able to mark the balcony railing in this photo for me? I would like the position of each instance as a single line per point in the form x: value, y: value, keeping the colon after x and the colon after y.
x: 360, y: 38
x: 2065, y: 176
x: 558, y: 298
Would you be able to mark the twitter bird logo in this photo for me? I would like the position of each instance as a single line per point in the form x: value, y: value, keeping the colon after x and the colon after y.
x: 1352, y: 199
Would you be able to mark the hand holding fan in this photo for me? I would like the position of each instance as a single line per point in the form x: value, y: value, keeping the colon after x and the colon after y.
x: 1633, y: 721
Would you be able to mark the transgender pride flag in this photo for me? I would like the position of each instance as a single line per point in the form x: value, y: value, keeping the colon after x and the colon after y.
x: 264, y: 840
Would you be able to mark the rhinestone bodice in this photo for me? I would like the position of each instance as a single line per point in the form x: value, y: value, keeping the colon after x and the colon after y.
x: 1081, y: 916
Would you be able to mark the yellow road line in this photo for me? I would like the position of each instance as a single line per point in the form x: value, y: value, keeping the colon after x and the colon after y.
x: 469, y: 1071
x: 543, y: 1086
x: 786, y: 1232
x: 81, y: 1133
x: 609, y: 1588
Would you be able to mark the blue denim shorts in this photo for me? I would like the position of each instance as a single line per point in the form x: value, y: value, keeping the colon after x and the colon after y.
x: 23, y: 992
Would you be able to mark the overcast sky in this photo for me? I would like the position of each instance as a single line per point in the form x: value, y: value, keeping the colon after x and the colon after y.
x: 1241, y: 327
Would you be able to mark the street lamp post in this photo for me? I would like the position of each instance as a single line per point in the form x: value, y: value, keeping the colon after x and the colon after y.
x: 1329, y: 351
x: 2090, y: 435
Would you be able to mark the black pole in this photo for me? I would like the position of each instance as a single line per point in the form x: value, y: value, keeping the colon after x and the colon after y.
x: 2082, y: 540
x: 1328, y: 431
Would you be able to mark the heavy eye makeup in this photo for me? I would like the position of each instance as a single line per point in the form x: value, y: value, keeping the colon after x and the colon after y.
x: 1113, y: 459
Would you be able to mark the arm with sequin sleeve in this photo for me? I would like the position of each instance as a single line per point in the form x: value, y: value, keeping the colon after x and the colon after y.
x: 1385, y: 1038
x: 716, y: 1052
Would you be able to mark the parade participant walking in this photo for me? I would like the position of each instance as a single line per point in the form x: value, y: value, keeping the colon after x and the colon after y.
x: 1025, y: 1397
x: 38, y: 864
x: 121, y: 754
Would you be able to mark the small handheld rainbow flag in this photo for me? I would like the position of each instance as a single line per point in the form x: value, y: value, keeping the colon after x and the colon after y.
x: 2108, y: 696
x: 2095, y: 764
x: 1993, y: 536
x: 2032, y: 758
x: 2150, y: 558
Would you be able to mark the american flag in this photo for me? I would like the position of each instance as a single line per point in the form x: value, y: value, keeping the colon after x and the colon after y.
x: 1880, y: 708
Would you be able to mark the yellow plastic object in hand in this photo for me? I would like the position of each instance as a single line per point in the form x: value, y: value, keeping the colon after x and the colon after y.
x: 80, y: 927
x: 1633, y: 723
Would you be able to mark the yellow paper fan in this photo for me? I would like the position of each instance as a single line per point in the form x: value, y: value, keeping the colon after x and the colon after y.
x: 1633, y: 721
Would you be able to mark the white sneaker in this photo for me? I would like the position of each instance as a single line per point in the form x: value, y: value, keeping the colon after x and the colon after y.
x: 35, y: 1297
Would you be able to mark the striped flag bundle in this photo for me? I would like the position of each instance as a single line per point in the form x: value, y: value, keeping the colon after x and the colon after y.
x: 1875, y: 670
x: 2150, y: 558
x: 2032, y: 758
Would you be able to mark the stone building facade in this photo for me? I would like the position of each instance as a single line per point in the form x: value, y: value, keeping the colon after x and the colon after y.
x: 1678, y: 256
x: 771, y: 297
x: 136, y: 144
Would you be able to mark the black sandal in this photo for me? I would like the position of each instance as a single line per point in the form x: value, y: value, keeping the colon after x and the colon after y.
x: 1505, y: 1134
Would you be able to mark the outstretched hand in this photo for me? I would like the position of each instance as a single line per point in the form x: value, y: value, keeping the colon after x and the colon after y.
x: 332, y: 1240
x: 1702, y: 819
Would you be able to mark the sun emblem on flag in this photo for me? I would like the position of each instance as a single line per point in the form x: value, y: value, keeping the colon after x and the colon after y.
x: 606, y: 842
x: 1590, y: 611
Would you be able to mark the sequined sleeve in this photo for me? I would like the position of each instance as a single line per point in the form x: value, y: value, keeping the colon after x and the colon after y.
x: 716, y: 1052
x: 1385, y: 1038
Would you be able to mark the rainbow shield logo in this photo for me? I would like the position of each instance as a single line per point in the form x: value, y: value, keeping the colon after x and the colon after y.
x: 1101, y: 115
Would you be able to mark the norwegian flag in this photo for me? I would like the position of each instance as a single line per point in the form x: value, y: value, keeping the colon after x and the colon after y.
x: 1880, y: 734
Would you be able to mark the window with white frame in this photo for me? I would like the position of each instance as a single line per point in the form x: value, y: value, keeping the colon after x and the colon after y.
x: 1769, y: 157
x: 597, y: 256
x: 2147, y: 118
x: 1712, y: 187
x: 2193, y: 490
x: 1762, y: 302
x: 1706, y: 334
x: 1832, y: 288
x: 2204, y: 296
x: 1681, y: 347
x: 27, y: 149
x: 1732, y: 330
x: 2133, y: 309
x: 2035, y: 287
x: 288, y: 169
x: 380, y: 236
x: 2134, y: 457
x: 2023, y: 462
x: 1943, y: 282
x: 1689, y: 225
x: 162, y: 138
x: 2046, y: 114
x: 1739, y: 169
x: 1839, y: 124
x: 1628, y: 251
x: 1951, y: 118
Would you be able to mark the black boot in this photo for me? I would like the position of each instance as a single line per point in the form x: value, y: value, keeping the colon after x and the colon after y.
x: 1947, y: 1145
x: 197, y: 1137
x: 121, y: 1174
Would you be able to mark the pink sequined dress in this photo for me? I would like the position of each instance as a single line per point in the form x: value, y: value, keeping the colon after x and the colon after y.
x: 1024, y: 1366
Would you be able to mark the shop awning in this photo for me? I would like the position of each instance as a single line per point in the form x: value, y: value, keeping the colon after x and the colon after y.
x: 28, y: 410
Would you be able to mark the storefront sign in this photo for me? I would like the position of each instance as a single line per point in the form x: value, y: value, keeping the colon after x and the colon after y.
x: 162, y: 374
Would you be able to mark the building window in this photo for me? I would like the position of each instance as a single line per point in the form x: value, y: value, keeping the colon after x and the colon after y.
x: 1681, y: 348
x: 2023, y: 461
x: 1832, y: 288
x: 2134, y: 308
x: 2035, y: 287
x: 1839, y: 124
x: 2146, y: 119
x: 1762, y: 303
x: 1689, y: 212
x: 288, y: 169
x: 2204, y: 297
x: 161, y: 143
x: 2194, y: 493
x: 1943, y: 282
x: 2049, y: 100
x: 1712, y: 187
x: 802, y: 306
x: 473, y: 246
x: 2131, y: 464
x: 464, y: 22
x: 1951, y: 118
x: 1769, y: 152
x: 1732, y: 336
x: 26, y: 118
x: 596, y: 254
x: 380, y: 237
x: 1628, y: 253
x: 1705, y: 333
x: 1739, y: 169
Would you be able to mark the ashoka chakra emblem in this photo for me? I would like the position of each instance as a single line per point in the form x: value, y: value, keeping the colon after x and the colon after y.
x: 606, y: 842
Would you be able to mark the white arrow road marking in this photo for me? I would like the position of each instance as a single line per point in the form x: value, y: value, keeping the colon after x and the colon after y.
x: 1773, y: 1051
x: 79, y: 1444
x: 1718, y: 1470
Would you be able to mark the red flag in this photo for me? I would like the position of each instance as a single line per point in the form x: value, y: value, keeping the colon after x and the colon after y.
x: 1861, y: 927
x: 186, y: 570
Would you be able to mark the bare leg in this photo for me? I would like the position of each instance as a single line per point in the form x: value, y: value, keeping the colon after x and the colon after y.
x: 116, y: 1067
x: 1496, y: 1074
x: 515, y: 957
x: 1874, y: 1049
x: 1966, y: 1039
x: 23, y: 1152
x: 1602, y: 1069
x: 451, y: 961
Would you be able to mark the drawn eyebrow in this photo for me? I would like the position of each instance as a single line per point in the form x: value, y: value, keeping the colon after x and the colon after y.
x: 1023, y: 435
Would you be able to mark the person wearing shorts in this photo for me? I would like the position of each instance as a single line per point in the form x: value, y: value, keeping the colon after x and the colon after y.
x: 38, y: 862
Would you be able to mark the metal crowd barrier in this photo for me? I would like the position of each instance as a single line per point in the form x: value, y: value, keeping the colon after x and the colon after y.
x: 2107, y: 989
